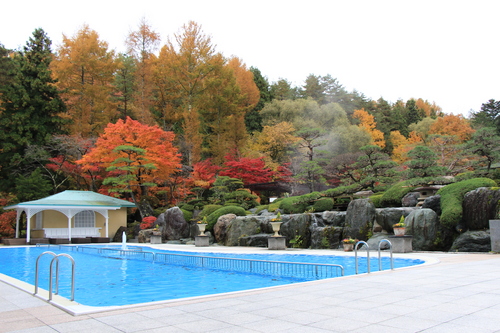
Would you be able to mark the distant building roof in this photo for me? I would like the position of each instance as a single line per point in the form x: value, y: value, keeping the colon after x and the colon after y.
x: 75, y: 199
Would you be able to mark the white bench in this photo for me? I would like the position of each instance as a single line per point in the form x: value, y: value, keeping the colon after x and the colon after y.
x: 75, y: 232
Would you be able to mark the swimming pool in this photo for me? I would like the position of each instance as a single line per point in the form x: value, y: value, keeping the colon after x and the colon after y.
x: 104, y: 280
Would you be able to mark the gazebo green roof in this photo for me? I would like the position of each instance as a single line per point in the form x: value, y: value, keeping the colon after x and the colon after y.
x: 76, y: 199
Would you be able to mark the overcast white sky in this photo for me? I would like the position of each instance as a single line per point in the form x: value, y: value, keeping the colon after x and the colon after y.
x: 444, y: 51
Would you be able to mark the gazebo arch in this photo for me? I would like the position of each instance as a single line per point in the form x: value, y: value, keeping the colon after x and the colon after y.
x: 69, y: 203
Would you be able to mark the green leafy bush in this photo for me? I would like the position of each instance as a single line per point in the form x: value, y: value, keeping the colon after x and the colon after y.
x: 452, y: 196
x: 323, y: 204
x: 212, y: 218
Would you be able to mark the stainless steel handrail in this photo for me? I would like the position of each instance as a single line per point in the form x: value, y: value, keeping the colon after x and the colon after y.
x: 367, y: 255
x: 56, y: 259
x: 380, y: 259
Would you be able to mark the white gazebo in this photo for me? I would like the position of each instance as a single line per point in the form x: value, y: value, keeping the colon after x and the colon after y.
x: 72, y: 214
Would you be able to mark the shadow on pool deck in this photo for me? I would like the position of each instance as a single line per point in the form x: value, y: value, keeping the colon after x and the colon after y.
x: 461, y: 293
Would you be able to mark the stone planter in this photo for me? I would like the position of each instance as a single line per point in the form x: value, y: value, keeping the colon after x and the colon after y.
x: 276, y: 228
x: 202, y: 227
x: 348, y: 247
x: 201, y: 241
x: 399, y: 231
x: 495, y: 235
x: 155, y: 239
x: 276, y: 242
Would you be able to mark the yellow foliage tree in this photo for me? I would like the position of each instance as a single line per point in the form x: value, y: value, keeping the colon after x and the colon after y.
x: 85, y: 71
x: 368, y: 124
x: 141, y: 45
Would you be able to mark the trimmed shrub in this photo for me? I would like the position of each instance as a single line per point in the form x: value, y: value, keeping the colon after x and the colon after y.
x: 452, y: 196
x: 259, y: 209
x: 293, y: 205
x: 188, y: 207
x: 208, y: 209
x: 393, y: 196
x: 323, y: 204
x: 187, y: 214
x: 334, y: 192
x: 376, y: 199
x: 212, y: 218
x: 275, y: 205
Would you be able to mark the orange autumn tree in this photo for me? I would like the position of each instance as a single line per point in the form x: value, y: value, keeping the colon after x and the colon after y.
x: 135, y: 156
x: 452, y: 125
x: 367, y: 123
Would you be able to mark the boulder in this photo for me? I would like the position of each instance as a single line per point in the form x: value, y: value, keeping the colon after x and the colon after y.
x: 176, y: 226
x: 479, y: 206
x: 241, y: 226
x: 295, y: 228
x: 259, y: 240
x: 374, y: 241
x: 360, y: 216
x: 221, y: 225
x: 326, y: 237
x: 472, y: 241
x: 423, y: 225
x: 433, y: 202
x: 387, y: 217
x: 333, y: 218
x: 410, y: 199
x: 119, y: 234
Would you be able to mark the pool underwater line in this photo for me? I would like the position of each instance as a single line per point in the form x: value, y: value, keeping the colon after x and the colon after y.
x: 194, y: 276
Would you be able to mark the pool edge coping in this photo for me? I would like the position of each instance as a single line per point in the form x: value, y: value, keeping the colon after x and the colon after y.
x: 77, y: 309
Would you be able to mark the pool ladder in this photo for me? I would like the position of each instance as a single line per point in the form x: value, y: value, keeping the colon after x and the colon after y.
x: 56, y: 260
x: 368, y: 254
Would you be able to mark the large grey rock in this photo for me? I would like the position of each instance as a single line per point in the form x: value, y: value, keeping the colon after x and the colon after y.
x: 433, y: 202
x: 175, y: 226
x: 333, y: 218
x: 295, y: 228
x: 221, y: 225
x: 259, y: 240
x: 360, y: 216
x: 241, y: 226
x: 479, y: 206
x: 387, y: 217
x: 374, y: 241
x: 410, y: 199
x: 423, y: 225
x: 326, y: 237
x: 472, y: 241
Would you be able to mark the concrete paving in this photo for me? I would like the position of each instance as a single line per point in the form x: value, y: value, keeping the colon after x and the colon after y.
x: 460, y: 293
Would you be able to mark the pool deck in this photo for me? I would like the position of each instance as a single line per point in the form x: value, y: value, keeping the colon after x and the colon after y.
x: 458, y: 292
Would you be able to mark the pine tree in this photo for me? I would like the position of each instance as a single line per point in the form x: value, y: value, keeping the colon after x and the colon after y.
x: 31, y: 106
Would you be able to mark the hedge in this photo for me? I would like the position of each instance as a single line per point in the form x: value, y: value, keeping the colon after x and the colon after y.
x: 452, y: 196
x: 212, y: 218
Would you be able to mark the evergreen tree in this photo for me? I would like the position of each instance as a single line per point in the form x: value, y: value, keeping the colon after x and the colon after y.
x: 414, y: 113
x: 489, y: 116
x: 485, y: 144
x: 31, y: 106
x: 423, y: 164
x: 5, y: 68
x: 253, y: 119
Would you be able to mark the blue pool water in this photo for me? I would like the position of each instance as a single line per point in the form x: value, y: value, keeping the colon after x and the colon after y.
x: 103, y: 280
